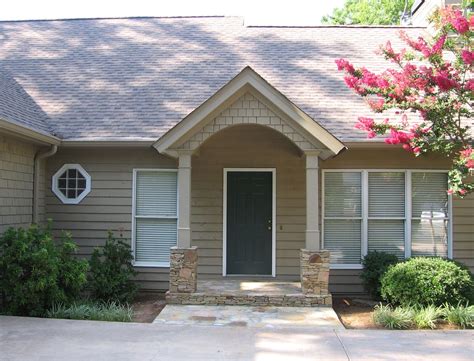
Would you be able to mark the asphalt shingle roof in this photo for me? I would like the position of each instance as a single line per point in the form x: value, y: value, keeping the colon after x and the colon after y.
x: 135, y: 78
x: 16, y: 106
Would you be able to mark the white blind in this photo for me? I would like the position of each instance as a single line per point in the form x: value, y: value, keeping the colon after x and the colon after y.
x: 429, y: 237
x: 156, y: 194
x: 342, y: 196
x: 429, y: 196
x: 155, y: 216
x: 342, y: 239
x: 386, y: 235
x: 386, y: 194
x: 342, y: 199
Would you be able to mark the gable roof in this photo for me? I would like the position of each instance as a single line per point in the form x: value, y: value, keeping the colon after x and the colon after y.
x: 136, y: 78
x: 247, y: 80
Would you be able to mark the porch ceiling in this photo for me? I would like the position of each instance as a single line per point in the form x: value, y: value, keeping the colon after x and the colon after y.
x: 286, y: 118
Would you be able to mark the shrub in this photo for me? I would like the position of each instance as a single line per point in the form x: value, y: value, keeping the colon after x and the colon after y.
x: 462, y: 316
x: 398, y: 318
x: 97, y: 311
x: 427, y: 317
x: 375, y: 265
x: 112, y: 271
x: 426, y: 281
x: 36, y: 273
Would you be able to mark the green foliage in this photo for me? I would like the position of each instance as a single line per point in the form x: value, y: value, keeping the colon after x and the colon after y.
x: 375, y: 265
x: 426, y: 281
x: 369, y: 12
x: 87, y: 310
x: 460, y: 315
x: 112, y: 272
x: 427, y: 317
x: 36, y: 273
x: 397, y: 318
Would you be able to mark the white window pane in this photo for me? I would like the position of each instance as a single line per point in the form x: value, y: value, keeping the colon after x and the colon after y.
x: 342, y: 194
x: 156, y: 193
x: 386, y: 194
x: 429, y: 197
x: 342, y: 239
x: 429, y: 237
x: 153, y: 239
x: 387, y: 236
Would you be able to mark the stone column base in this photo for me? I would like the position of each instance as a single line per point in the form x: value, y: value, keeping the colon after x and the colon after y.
x: 183, y: 270
x: 314, y: 272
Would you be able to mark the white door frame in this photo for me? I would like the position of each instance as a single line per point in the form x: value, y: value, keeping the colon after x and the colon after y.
x: 224, y: 212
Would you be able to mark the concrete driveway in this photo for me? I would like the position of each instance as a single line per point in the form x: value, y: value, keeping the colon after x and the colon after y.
x: 44, y: 339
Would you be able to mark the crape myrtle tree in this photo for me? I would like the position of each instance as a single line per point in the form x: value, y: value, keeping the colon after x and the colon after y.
x: 430, y: 89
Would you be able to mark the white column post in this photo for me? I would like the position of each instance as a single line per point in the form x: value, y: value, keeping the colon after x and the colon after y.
x: 184, y: 200
x: 312, y: 201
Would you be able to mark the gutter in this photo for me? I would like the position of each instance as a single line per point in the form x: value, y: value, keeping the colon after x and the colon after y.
x: 36, y: 179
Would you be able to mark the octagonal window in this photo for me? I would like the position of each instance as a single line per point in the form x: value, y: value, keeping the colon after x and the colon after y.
x: 71, y: 183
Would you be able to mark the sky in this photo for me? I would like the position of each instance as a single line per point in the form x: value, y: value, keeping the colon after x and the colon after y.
x: 255, y: 12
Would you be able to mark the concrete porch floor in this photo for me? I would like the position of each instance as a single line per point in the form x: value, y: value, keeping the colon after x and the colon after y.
x: 249, y: 292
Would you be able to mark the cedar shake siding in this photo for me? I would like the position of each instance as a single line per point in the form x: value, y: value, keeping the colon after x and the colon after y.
x: 16, y: 183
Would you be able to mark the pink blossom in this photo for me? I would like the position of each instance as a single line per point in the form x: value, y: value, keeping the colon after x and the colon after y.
x: 470, y: 163
x: 365, y: 124
x: 417, y: 150
x: 462, y: 192
x: 444, y: 82
x: 343, y: 64
x: 438, y: 46
x: 371, y: 134
x: 468, y: 57
x: 469, y: 85
x: 397, y: 137
x: 460, y: 24
x: 450, y: 191
x: 466, y: 153
x: 376, y: 104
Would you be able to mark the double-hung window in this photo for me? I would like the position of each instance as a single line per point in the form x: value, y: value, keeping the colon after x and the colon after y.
x: 402, y: 212
x: 155, y: 216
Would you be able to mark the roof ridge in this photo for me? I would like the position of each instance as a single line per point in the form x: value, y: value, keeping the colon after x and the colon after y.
x: 120, y: 18
x: 351, y: 26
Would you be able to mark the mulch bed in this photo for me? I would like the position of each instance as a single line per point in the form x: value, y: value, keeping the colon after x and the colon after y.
x: 147, y: 306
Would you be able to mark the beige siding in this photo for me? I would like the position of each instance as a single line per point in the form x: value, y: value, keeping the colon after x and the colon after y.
x: 109, y: 204
x: 248, y: 146
x: 16, y: 182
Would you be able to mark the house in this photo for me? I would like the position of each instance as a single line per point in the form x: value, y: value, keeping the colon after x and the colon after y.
x: 233, y: 145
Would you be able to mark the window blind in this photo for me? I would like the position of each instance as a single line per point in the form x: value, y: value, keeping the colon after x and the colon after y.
x: 386, y: 213
x: 429, y: 230
x: 155, y: 216
x: 343, y: 211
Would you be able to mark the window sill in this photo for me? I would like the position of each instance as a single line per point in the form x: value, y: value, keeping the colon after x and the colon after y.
x: 151, y: 264
x: 345, y: 266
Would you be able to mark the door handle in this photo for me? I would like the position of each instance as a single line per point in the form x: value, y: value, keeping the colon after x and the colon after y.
x: 269, y: 224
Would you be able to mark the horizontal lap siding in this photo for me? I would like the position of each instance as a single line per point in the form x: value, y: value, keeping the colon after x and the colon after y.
x: 347, y: 281
x: 16, y: 182
x: 109, y: 204
x: 248, y: 146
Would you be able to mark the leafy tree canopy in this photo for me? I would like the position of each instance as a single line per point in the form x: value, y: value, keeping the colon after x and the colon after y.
x: 370, y: 12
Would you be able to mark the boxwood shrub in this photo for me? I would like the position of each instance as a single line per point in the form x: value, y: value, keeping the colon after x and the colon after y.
x: 375, y: 265
x: 423, y: 281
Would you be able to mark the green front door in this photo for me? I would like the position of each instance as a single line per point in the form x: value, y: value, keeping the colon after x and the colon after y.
x: 249, y: 223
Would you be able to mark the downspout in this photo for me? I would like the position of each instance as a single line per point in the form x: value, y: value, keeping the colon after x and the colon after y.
x: 36, y: 179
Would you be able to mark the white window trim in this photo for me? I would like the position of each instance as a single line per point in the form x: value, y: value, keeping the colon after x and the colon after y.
x: 134, y: 216
x: 60, y: 195
x: 364, y: 224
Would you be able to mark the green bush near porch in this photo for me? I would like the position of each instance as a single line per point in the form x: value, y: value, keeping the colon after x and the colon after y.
x: 424, y: 281
x: 375, y: 265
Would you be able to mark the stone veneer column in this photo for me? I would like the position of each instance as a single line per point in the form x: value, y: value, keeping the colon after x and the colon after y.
x: 183, y: 270
x: 314, y: 271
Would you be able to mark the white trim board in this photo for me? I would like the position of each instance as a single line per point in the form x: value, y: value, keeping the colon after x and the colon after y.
x: 224, y: 217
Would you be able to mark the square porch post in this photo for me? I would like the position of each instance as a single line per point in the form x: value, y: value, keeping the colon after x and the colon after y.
x: 183, y: 257
x: 314, y: 262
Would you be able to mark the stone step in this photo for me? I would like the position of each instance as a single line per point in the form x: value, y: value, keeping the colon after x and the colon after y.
x: 288, y: 300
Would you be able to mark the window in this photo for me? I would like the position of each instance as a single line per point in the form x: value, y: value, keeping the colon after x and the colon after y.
x: 400, y: 212
x: 71, y: 183
x: 155, y: 217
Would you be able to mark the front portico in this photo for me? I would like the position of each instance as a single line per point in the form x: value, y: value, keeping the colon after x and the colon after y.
x: 249, y: 140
